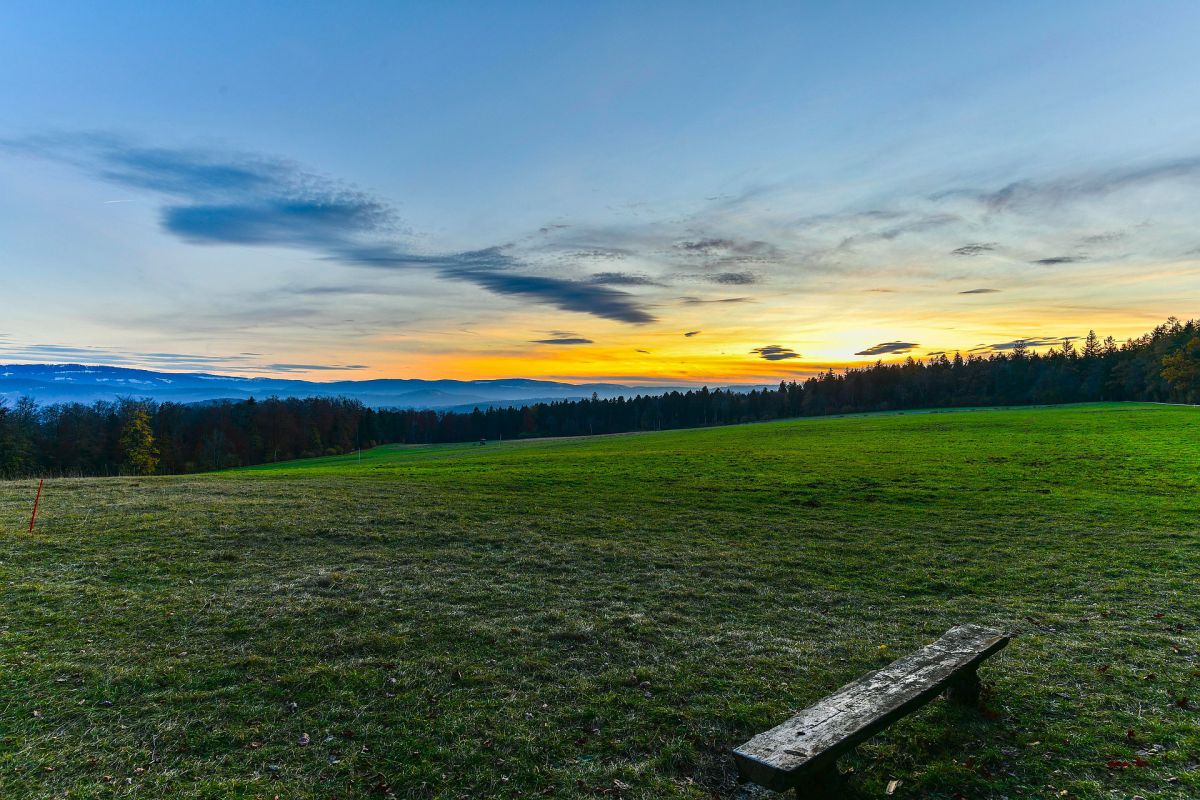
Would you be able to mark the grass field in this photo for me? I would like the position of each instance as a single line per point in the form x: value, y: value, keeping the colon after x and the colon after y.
x: 609, y: 616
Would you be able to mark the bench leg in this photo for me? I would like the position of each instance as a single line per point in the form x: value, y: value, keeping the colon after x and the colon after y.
x: 828, y: 784
x: 965, y: 689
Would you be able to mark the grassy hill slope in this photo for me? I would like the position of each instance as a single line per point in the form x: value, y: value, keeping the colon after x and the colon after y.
x: 609, y: 616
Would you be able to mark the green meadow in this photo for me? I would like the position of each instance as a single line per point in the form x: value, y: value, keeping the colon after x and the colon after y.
x: 609, y: 616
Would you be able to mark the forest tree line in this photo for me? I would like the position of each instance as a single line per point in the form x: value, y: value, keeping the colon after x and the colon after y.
x: 140, y: 437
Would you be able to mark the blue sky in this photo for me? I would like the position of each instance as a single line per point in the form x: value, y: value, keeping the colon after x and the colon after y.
x: 566, y: 190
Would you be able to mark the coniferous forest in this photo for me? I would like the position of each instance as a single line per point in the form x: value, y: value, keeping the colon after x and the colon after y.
x: 138, y: 437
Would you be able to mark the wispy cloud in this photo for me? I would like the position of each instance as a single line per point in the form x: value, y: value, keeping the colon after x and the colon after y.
x: 917, y: 225
x: 1090, y: 184
x: 564, y: 340
x: 187, y: 362
x: 888, y: 348
x: 314, y: 367
x: 690, y: 334
x: 980, y: 291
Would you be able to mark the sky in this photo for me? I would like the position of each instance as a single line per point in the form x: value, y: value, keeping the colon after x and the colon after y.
x: 635, y: 192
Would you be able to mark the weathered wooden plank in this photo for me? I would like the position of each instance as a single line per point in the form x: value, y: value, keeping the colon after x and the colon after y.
x: 812, y: 740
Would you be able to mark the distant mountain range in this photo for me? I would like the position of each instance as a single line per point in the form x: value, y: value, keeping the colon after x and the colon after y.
x: 63, y: 383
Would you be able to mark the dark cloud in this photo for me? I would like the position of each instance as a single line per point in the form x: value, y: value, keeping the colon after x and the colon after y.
x: 597, y: 254
x: 646, y: 352
x: 936, y: 353
x: 225, y: 198
x: 690, y: 334
x: 186, y: 173
x: 493, y: 269
x: 976, y: 249
x: 345, y: 289
x: 980, y: 291
x: 1103, y: 238
x: 622, y: 279
x: 290, y: 222
x: 739, y: 278
x: 734, y: 278
x: 706, y: 246
x: 239, y: 199
x: 565, y: 294
x: 565, y: 340
x: 717, y: 252
x: 1059, y: 260
x: 696, y: 301
x: 1034, y: 341
x: 774, y: 352
x: 887, y: 348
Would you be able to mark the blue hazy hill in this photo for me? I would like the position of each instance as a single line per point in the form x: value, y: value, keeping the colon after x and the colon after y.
x: 69, y: 383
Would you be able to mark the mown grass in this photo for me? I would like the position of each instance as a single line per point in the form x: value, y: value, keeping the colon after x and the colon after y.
x: 609, y: 616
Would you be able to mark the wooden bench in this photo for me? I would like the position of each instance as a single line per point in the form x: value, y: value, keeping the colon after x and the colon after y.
x: 801, y: 753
